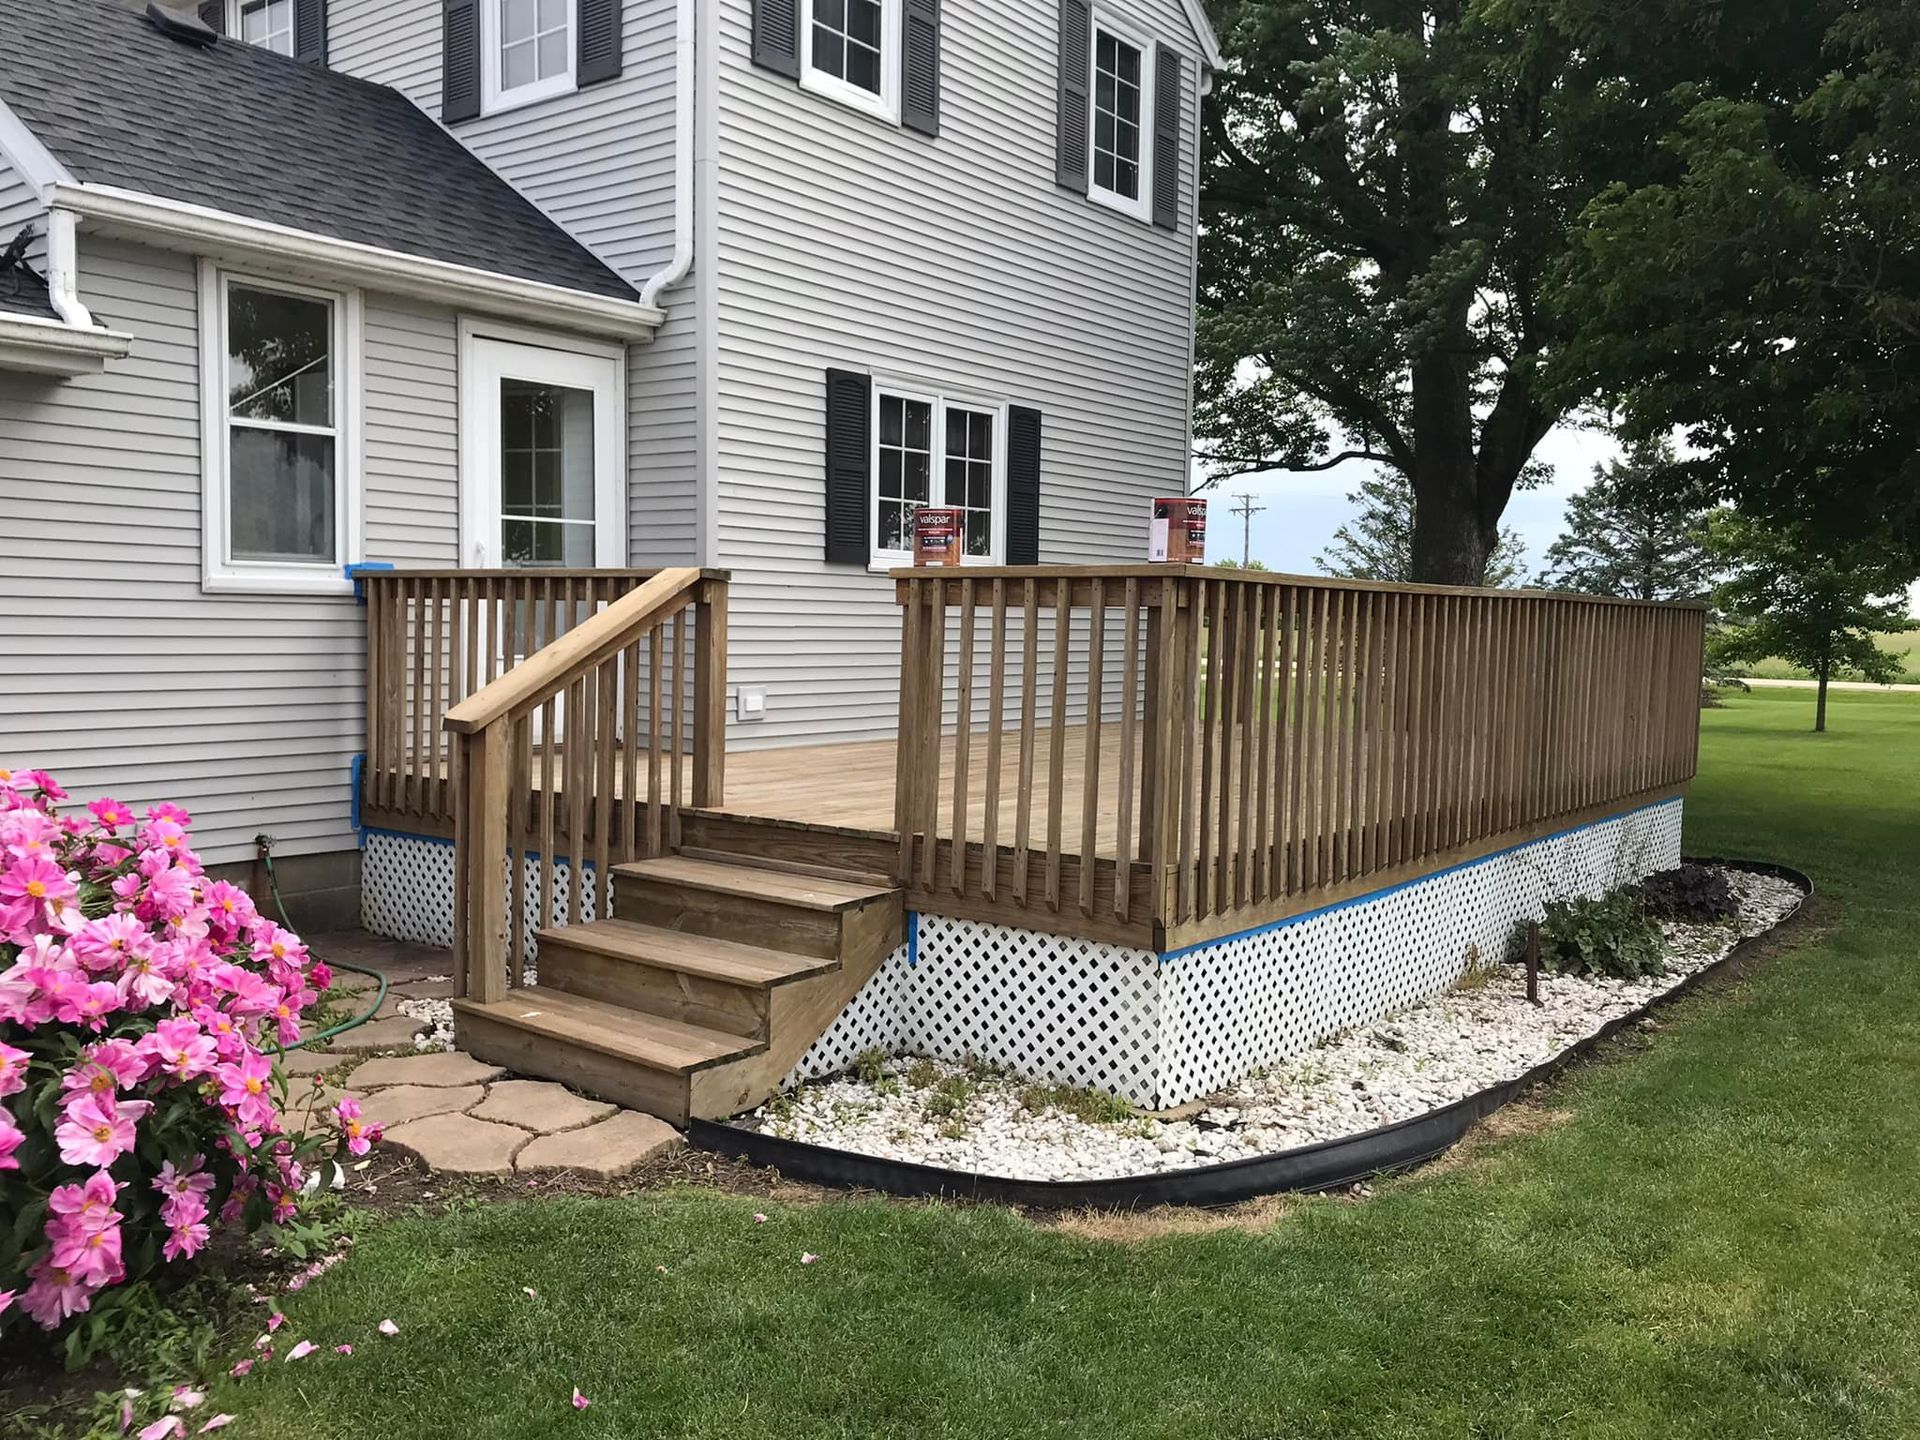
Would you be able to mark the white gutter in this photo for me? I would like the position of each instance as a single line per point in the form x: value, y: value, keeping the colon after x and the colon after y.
x: 63, y: 280
x: 683, y: 87
x: 206, y: 231
x: 51, y: 347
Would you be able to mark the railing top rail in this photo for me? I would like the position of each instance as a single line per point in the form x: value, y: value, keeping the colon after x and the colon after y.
x: 545, y: 671
x: 531, y: 572
x: 1147, y: 571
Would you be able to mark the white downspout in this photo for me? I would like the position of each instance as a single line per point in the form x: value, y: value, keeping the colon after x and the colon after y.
x: 63, y: 282
x: 683, y: 82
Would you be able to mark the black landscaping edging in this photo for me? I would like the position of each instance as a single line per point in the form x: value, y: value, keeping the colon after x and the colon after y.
x: 1325, y: 1165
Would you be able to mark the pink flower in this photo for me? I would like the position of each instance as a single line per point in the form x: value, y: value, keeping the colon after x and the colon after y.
x: 39, y: 881
x: 343, y: 1349
x: 94, y: 1003
x: 11, y: 1139
x: 758, y: 1218
x: 580, y: 1402
x: 808, y: 1259
x: 185, y: 1239
x: 359, y: 1138
x: 217, y: 1422
x: 54, y: 1294
x: 244, y: 1088
x: 275, y: 1321
x: 13, y: 1070
x: 109, y: 942
x: 6, y: 1301
x: 241, y: 1368
x: 90, y: 1206
x: 110, y: 812
x: 185, y: 1397
x: 167, y: 810
x: 96, y: 1130
x: 165, y: 1428
x: 387, y: 1328
x: 301, y: 1351
x: 183, y: 1050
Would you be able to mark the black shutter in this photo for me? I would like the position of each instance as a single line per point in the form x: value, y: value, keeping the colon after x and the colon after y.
x: 776, y: 36
x: 920, y: 66
x: 310, y: 32
x: 460, y: 61
x: 849, y: 403
x: 213, y: 14
x: 598, y: 56
x: 1023, y: 485
x: 1076, y: 63
x: 1166, y: 139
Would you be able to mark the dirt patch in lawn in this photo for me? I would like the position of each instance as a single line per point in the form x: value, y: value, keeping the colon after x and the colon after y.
x: 1135, y: 1227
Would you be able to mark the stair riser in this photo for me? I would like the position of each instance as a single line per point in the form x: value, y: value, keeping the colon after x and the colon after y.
x: 672, y: 994
x: 576, y: 1066
x: 752, y: 921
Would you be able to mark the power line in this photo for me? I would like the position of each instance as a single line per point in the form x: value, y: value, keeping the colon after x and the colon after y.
x: 1246, y: 510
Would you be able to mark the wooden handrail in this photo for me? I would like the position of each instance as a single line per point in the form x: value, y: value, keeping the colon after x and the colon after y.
x: 543, y: 674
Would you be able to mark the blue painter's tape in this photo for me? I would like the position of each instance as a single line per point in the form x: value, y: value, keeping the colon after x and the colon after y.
x: 913, y: 938
x: 363, y: 567
x: 356, y: 774
x: 1373, y: 895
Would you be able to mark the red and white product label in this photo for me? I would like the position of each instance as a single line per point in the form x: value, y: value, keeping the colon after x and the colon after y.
x: 936, y: 535
x: 1179, y: 532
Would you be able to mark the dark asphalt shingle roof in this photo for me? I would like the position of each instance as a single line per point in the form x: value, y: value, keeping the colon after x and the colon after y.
x: 23, y: 293
x: 239, y: 129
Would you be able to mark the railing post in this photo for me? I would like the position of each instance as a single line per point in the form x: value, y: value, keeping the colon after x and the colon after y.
x: 1161, y: 745
x: 710, y: 696
x: 480, y: 850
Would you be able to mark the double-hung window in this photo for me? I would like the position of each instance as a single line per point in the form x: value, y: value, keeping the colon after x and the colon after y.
x: 279, y: 375
x: 268, y: 24
x: 527, y: 51
x: 1121, y: 101
x: 850, y: 50
x: 932, y: 450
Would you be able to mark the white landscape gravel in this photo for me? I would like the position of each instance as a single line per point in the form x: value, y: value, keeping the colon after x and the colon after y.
x: 1428, y: 1054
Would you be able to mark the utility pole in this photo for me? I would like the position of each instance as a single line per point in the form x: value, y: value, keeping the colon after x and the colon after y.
x: 1246, y: 510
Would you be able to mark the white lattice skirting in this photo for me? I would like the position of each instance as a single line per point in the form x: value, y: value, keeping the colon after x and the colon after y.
x: 1160, y: 1030
x: 1157, y: 1030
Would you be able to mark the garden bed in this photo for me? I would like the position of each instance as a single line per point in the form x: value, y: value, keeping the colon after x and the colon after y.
x: 1378, y: 1097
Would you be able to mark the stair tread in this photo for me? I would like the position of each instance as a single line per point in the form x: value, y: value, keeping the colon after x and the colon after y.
x: 804, y: 892
x: 692, y: 954
x: 648, y: 1040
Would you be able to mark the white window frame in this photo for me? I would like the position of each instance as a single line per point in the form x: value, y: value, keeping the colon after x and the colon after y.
x: 885, y: 105
x: 235, y: 13
x: 882, y: 559
x: 1140, y: 207
x: 480, y: 434
x: 494, y: 100
x: 219, y: 572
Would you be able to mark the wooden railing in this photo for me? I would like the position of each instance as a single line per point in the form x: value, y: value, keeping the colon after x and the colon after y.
x: 1182, y: 749
x: 434, y: 637
x: 581, y: 755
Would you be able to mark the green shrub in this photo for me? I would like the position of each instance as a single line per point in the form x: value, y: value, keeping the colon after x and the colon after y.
x: 1695, y: 894
x: 1611, y: 936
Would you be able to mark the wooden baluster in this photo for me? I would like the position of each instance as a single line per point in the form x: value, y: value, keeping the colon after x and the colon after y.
x: 370, y: 767
x: 1313, y: 743
x: 1393, y: 635
x: 1286, y: 733
x: 656, y: 756
x: 437, y: 700
x: 996, y: 725
x: 1340, y: 708
x: 1090, y: 740
x: 906, y: 745
x: 1057, y: 733
x: 576, y: 749
x: 1229, y: 651
x: 676, y: 723
x: 1359, y: 737
x: 1129, y: 700
x: 1256, y: 842
x: 710, y: 697
x: 1187, y: 722
x: 962, y: 744
x: 607, y: 684
x: 933, y: 701
x: 1211, y: 598
x: 518, y: 798
x: 1023, y: 802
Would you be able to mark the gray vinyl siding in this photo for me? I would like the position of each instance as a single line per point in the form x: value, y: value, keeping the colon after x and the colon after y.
x: 955, y: 263
x: 20, y: 206
x: 600, y: 162
x: 125, y: 677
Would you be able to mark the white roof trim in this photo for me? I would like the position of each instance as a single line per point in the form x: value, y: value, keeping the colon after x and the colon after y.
x: 1203, y: 27
x: 219, y: 233
x: 27, y: 155
x: 49, y: 347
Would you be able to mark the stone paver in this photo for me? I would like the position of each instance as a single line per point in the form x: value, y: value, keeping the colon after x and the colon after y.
x: 309, y: 1061
x: 435, y: 1067
x: 459, y: 1144
x: 608, y: 1148
x: 540, y: 1106
x: 425, y: 990
x: 403, y: 1103
x: 396, y: 1032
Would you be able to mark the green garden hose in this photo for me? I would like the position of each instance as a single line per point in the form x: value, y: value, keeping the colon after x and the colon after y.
x: 265, y: 847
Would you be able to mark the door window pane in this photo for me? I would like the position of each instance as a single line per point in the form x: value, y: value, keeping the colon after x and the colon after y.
x: 546, y: 474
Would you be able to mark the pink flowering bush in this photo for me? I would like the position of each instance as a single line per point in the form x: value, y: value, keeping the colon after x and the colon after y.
x: 139, y: 1103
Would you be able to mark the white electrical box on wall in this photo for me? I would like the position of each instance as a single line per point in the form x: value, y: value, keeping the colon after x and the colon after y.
x: 752, y: 702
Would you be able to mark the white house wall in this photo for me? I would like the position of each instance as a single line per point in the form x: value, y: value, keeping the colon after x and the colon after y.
x: 956, y: 261
x: 123, y: 675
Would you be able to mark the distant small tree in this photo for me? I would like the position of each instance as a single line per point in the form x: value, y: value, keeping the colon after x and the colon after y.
x: 1226, y: 563
x: 1377, y: 544
x: 1636, y: 532
x: 1787, y: 595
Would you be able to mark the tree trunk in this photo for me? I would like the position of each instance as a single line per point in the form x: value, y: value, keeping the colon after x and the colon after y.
x: 1820, y: 704
x: 1449, y: 546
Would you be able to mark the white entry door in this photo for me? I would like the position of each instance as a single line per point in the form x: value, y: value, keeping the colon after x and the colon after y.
x: 542, y: 454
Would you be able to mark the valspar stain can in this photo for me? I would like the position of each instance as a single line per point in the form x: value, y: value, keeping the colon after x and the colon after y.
x: 936, y: 535
x: 1179, y: 533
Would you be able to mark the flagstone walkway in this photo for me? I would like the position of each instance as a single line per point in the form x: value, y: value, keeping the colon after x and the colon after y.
x: 453, y: 1113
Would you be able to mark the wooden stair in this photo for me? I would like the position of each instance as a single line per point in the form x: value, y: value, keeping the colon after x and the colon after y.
x: 702, y: 990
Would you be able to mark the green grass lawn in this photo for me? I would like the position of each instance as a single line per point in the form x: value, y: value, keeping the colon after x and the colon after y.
x: 1905, y: 646
x: 1722, y: 1239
